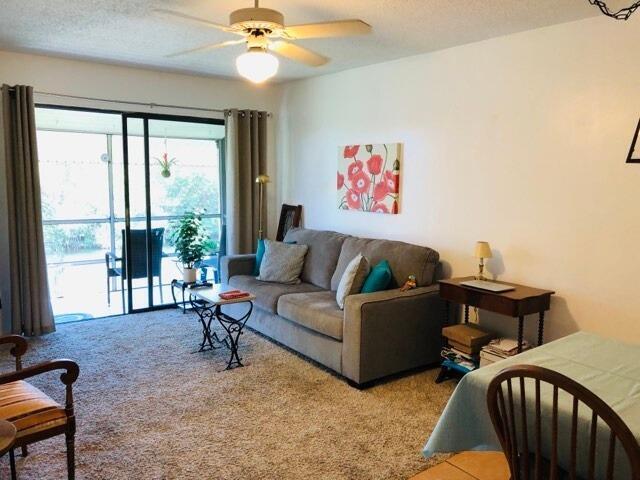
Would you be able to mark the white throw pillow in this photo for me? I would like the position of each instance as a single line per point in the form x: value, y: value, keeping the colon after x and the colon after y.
x: 282, y: 262
x: 352, y: 279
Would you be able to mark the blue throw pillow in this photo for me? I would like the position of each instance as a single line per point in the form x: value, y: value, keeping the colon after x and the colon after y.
x: 378, y: 279
x: 260, y: 255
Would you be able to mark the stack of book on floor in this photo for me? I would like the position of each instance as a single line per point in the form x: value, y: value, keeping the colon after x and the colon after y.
x: 464, y: 344
x: 499, y: 349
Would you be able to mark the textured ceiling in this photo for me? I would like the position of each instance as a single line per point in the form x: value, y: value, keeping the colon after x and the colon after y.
x: 128, y: 32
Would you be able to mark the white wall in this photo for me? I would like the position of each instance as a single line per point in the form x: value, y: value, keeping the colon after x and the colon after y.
x: 88, y: 79
x: 519, y: 140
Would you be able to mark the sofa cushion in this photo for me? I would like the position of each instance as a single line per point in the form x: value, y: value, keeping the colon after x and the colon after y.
x: 267, y: 293
x: 316, y: 311
x: 322, y: 256
x: 405, y: 259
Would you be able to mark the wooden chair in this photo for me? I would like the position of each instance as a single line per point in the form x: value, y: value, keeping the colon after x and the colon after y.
x: 514, y: 434
x: 35, y: 415
x: 290, y: 216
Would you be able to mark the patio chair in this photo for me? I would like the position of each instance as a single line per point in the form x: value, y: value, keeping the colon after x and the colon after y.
x: 138, y: 260
x: 35, y: 415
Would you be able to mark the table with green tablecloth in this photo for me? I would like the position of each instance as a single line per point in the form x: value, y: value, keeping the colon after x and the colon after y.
x: 609, y: 368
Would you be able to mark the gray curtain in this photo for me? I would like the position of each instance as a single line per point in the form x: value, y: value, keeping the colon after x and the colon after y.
x: 30, y: 309
x: 246, y: 143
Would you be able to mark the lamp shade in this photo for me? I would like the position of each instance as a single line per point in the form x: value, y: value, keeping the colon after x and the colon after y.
x: 483, y: 250
x: 257, y: 65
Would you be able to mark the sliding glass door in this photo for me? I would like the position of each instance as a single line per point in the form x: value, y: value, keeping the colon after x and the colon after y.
x: 173, y: 166
x: 103, y: 197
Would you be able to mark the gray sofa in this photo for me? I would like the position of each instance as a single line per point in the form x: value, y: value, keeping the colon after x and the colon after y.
x: 377, y: 334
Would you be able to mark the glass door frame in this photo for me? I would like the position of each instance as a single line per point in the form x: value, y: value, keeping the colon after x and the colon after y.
x: 145, y: 117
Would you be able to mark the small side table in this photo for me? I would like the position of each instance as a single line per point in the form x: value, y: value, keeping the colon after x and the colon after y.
x: 182, y: 285
x: 208, y: 305
x: 515, y: 303
x: 7, y: 439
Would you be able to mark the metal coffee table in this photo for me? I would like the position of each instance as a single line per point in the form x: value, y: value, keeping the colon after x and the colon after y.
x: 208, y: 305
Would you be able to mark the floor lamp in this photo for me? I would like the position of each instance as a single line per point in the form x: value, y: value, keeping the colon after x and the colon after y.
x: 261, y: 180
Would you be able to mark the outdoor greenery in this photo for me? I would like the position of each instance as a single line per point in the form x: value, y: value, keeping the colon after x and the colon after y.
x: 191, y: 239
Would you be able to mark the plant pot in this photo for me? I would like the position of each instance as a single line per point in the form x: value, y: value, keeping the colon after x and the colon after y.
x: 189, y: 275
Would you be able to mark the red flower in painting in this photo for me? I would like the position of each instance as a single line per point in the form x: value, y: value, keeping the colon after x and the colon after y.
x: 374, y: 164
x: 380, y: 191
x: 340, y: 180
x: 353, y: 200
x: 351, y: 151
x: 360, y: 182
x: 354, y: 168
x: 380, y: 208
x: 390, y: 180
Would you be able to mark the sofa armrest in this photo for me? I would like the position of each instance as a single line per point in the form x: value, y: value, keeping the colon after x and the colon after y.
x: 391, y: 331
x: 232, y: 265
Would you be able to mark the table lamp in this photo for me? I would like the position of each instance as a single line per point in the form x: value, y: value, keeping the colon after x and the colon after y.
x: 261, y: 180
x: 483, y: 250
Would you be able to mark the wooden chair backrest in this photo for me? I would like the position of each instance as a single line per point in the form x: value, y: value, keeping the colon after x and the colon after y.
x: 512, y: 429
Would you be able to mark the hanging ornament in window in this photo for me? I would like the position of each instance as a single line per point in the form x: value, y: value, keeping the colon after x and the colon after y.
x: 622, y: 14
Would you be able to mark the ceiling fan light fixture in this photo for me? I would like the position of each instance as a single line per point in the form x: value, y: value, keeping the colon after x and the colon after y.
x: 257, y: 65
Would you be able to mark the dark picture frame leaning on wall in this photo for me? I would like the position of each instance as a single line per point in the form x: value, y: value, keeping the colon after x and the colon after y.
x: 289, y: 217
x: 634, y: 150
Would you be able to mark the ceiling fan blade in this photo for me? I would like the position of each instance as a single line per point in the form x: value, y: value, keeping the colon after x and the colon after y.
x: 183, y: 16
x: 298, y: 53
x: 341, y: 28
x: 205, y: 48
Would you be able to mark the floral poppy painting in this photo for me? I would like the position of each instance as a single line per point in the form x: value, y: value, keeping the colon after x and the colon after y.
x: 369, y: 177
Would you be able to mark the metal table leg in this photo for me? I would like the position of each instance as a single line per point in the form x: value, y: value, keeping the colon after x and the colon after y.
x: 205, y: 316
x: 233, y: 327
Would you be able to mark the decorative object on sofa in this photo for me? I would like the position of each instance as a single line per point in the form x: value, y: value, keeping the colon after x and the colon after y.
x: 165, y: 162
x: 409, y: 284
x: 369, y: 178
x: 352, y: 279
x: 192, y: 242
x: 35, y: 415
x: 263, y: 30
x: 376, y: 335
x: 622, y: 14
x: 378, y: 279
x: 634, y: 150
x: 282, y: 262
x: 261, y: 180
x: 482, y: 251
x: 290, y: 216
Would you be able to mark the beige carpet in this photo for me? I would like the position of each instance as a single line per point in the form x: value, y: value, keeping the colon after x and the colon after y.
x: 148, y: 408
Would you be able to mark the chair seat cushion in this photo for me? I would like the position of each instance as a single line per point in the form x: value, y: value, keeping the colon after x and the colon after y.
x: 30, y: 410
x: 268, y: 293
x: 318, y: 311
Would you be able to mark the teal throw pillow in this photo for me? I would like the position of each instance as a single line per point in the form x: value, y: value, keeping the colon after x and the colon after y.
x: 379, y: 278
x: 259, y: 255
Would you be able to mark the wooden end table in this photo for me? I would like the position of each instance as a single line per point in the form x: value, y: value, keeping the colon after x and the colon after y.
x: 208, y: 305
x: 515, y: 303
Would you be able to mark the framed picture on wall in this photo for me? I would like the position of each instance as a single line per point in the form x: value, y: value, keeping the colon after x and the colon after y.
x: 634, y: 150
x: 369, y: 177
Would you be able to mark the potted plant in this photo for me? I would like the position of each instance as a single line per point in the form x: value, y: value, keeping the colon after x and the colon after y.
x: 192, y: 243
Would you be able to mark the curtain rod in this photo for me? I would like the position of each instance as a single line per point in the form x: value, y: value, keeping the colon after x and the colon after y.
x: 129, y: 102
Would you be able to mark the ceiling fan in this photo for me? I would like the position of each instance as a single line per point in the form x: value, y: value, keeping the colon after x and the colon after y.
x: 263, y: 30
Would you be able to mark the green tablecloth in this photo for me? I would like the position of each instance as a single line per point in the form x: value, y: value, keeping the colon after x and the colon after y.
x: 609, y: 368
